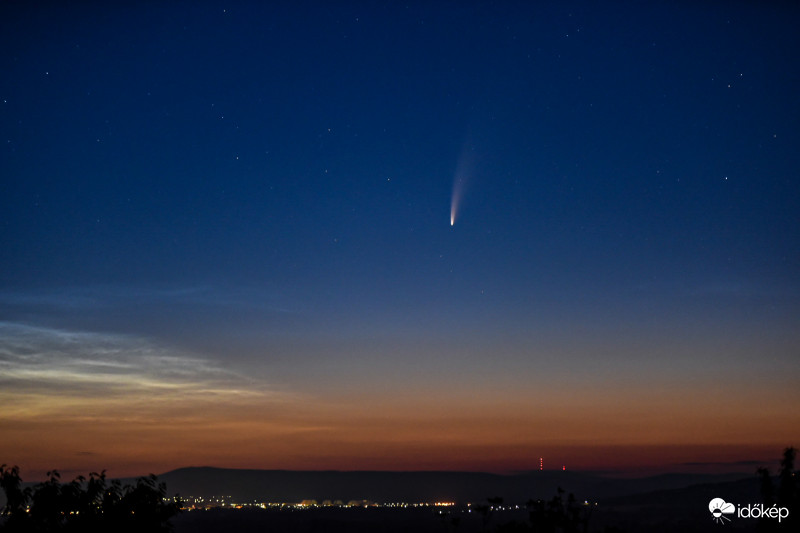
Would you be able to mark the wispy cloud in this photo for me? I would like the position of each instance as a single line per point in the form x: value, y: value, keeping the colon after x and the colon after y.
x: 53, y: 372
x: 106, y: 296
x: 724, y: 463
x: 200, y: 319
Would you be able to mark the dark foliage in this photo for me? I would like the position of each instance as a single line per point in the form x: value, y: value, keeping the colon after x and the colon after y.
x: 559, y: 515
x: 554, y: 515
x: 83, y: 505
x: 785, y: 494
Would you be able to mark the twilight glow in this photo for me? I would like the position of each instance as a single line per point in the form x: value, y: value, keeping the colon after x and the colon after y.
x: 222, y: 243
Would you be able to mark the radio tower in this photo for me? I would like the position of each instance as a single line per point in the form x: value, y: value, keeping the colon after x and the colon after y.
x: 541, y: 464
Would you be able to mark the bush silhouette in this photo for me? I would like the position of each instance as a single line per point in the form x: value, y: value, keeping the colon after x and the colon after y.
x: 558, y: 515
x: 785, y: 494
x: 84, y: 505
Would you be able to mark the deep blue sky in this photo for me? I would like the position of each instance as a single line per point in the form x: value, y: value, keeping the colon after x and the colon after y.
x: 267, y: 189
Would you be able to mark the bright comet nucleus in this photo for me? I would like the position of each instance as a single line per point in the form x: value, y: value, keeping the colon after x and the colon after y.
x: 454, y: 201
x: 463, y: 170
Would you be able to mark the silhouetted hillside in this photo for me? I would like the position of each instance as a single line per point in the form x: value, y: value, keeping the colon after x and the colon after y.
x: 681, y: 509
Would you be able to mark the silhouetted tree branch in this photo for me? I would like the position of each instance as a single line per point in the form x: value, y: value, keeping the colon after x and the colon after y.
x: 85, y: 505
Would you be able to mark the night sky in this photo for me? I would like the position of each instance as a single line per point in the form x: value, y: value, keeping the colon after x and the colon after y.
x: 225, y: 235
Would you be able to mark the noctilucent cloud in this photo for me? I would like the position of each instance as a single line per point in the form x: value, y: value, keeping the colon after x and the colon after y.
x: 398, y: 236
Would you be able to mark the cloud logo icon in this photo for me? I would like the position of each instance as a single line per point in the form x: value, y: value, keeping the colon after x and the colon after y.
x: 719, y: 508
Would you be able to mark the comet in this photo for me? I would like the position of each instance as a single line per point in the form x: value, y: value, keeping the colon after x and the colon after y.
x: 455, y: 199
x: 463, y: 171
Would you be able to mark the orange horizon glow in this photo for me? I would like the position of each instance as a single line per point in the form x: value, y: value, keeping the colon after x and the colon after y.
x: 608, y: 460
x: 166, y: 410
x: 141, y: 435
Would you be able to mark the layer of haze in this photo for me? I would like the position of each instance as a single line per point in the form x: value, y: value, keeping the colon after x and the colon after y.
x: 224, y: 235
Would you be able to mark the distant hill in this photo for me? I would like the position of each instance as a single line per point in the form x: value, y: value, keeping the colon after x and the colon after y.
x: 678, y: 509
x: 462, y: 487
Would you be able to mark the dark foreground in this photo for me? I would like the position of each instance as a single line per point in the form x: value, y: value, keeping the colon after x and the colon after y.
x: 617, y: 519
